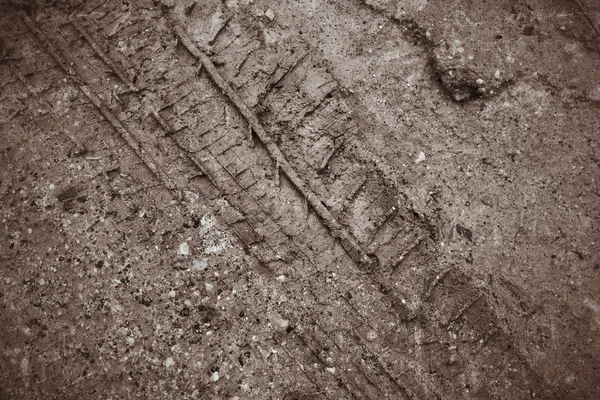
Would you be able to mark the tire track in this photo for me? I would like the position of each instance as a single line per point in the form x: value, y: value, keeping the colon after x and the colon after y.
x: 281, y: 242
x: 299, y: 101
x: 95, y: 102
x: 326, y: 387
x: 210, y: 159
x: 336, y: 229
x: 301, y: 106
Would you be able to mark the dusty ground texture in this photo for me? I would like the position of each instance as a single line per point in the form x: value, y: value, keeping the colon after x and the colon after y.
x: 309, y: 199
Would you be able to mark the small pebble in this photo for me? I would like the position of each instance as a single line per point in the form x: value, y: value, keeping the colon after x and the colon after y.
x: 215, y: 376
x: 169, y: 362
x: 200, y: 265
x: 479, y: 81
x: 371, y: 335
x: 184, y: 249
x: 420, y: 157
x: 270, y: 14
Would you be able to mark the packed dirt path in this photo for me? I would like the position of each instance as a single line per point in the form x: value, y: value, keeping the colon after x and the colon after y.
x: 313, y: 199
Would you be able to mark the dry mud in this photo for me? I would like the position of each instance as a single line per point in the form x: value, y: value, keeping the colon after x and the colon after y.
x: 299, y: 200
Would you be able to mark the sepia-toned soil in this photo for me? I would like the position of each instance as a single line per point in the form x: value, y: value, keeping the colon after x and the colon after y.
x: 302, y: 199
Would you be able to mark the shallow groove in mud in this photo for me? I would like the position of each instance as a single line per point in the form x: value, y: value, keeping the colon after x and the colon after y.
x: 118, y: 126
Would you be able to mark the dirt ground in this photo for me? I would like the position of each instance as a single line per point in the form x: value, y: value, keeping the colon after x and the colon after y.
x: 301, y: 199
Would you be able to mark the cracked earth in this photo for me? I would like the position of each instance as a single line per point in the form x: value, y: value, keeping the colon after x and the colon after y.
x: 308, y: 199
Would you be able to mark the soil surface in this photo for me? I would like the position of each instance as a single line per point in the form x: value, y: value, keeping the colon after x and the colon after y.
x: 310, y: 199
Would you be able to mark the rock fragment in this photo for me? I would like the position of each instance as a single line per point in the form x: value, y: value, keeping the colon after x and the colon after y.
x: 184, y: 249
x: 270, y: 14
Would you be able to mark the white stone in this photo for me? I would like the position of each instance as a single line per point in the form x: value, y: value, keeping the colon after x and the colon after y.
x: 371, y: 335
x: 270, y: 14
x: 215, y: 376
x: 420, y: 157
x: 200, y: 265
x: 184, y: 249
x: 25, y: 366
x: 169, y: 362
